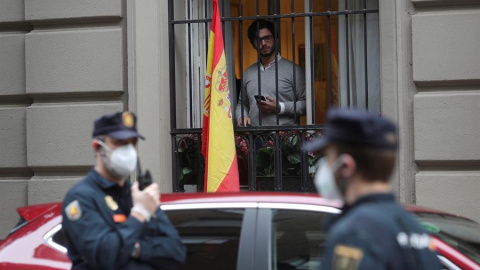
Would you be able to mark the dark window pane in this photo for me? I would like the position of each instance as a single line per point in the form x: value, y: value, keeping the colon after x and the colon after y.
x: 210, y: 235
x: 59, y: 238
x: 299, y: 238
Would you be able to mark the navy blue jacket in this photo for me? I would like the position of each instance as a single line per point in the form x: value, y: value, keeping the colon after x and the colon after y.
x: 377, y: 233
x: 101, y: 234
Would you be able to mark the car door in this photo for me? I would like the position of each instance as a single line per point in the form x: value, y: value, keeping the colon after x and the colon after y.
x: 296, y: 235
x: 217, y: 236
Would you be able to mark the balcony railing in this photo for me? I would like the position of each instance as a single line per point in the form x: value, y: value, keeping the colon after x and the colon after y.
x: 268, y: 159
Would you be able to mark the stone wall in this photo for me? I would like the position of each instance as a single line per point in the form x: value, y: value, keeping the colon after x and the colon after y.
x: 63, y: 65
x: 446, y: 105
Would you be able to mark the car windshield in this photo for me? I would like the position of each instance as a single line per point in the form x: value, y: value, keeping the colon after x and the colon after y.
x: 460, y: 233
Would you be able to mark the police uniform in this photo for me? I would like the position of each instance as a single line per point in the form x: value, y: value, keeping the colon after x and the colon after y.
x: 100, y: 232
x: 376, y: 233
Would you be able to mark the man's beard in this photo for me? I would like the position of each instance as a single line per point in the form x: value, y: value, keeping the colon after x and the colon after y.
x: 268, y: 53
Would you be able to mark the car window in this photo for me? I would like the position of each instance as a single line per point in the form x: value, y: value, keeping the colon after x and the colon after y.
x: 211, y: 236
x: 59, y: 238
x: 299, y: 239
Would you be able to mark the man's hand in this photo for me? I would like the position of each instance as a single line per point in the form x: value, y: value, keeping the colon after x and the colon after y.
x: 270, y: 105
x: 246, y: 121
x: 145, y: 202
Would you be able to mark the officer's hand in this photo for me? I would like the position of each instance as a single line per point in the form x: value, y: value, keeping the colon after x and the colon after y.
x: 147, y: 199
x: 246, y: 121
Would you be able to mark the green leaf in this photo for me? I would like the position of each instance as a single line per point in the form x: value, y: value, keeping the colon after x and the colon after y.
x: 265, y: 158
x: 294, y: 158
x: 313, y: 160
x: 186, y: 170
x: 295, y: 140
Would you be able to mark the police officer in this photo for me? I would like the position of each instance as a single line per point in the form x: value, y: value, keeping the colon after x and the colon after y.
x: 110, y: 224
x: 373, y: 231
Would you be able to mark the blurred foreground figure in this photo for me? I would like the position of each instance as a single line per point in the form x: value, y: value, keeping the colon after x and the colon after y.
x: 109, y: 224
x: 373, y: 231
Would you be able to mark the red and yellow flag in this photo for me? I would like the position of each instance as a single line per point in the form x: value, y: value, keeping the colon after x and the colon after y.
x: 218, y: 143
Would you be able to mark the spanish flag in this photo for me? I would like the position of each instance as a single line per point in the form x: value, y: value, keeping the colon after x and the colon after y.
x: 218, y: 143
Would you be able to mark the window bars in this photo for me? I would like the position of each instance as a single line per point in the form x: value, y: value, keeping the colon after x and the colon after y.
x: 330, y: 39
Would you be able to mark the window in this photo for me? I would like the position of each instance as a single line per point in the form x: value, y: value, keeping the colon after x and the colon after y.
x: 333, y: 46
x: 60, y: 238
x: 211, y: 236
x: 299, y: 239
x: 56, y: 239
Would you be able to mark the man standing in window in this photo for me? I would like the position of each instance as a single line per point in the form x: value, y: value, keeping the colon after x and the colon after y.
x: 373, y: 231
x: 258, y: 106
x: 110, y: 225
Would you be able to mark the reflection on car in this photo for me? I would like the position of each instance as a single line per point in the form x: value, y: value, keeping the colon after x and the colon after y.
x: 241, y: 231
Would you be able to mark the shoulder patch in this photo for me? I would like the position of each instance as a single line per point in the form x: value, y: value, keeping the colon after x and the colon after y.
x: 73, y: 211
x: 346, y: 257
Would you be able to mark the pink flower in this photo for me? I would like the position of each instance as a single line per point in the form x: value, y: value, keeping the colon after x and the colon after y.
x: 269, y: 144
x: 243, y: 149
x: 241, y: 145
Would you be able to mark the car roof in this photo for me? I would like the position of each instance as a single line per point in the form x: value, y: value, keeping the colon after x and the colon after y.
x: 30, y: 212
x: 271, y: 197
x: 260, y: 197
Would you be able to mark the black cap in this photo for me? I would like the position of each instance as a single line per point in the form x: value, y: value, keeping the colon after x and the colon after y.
x: 358, y: 128
x: 120, y: 126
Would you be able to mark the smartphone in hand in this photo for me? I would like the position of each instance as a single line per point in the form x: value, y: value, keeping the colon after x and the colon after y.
x: 259, y: 98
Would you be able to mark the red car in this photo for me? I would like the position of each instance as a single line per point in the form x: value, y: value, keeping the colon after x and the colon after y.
x: 243, y: 231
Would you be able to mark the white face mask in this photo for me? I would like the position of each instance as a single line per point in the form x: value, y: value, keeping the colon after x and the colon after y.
x: 121, y: 161
x: 325, y: 180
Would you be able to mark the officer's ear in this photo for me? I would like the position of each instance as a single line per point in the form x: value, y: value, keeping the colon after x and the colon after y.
x: 348, y: 166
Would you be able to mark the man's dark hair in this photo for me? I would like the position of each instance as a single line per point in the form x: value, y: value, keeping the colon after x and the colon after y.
x: 372, y: 164
x: 259, y: 25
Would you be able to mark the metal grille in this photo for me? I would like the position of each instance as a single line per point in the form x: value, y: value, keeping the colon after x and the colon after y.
x: 269, y: 156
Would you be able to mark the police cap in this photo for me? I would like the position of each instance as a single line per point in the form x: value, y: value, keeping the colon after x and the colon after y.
x: 356, y: 128
x: 120, y: 126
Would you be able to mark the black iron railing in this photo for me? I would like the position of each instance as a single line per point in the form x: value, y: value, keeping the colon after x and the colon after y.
x: 269, y: 157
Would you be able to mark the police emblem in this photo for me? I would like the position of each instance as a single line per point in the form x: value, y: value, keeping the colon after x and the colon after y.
x: 127, y: 119
x: 347, y: 258
x: 111, y: 203
x: 73, y: 211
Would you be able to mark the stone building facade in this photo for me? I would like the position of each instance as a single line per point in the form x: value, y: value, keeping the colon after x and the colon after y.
x: 64, y: 62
